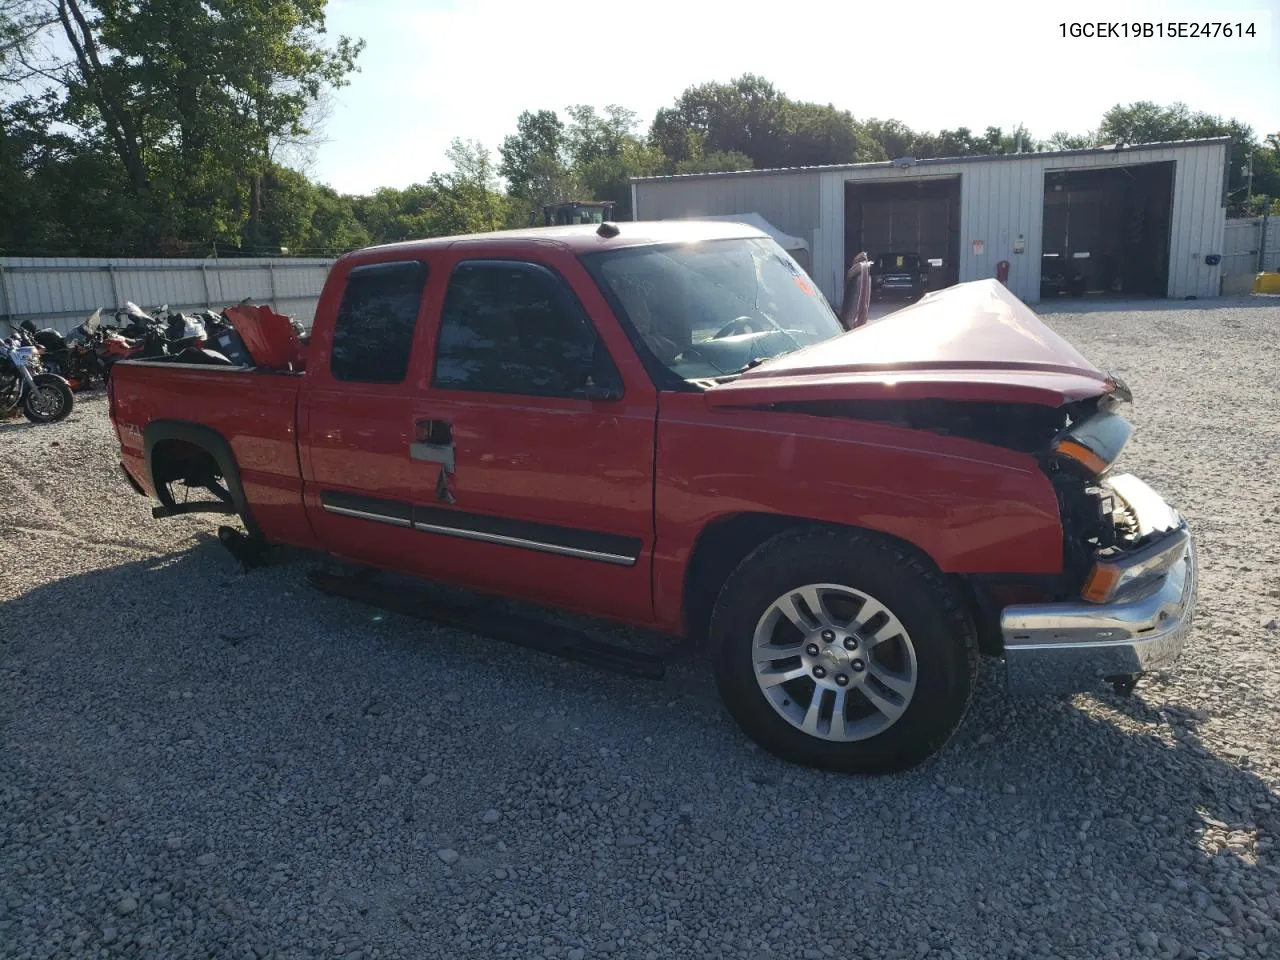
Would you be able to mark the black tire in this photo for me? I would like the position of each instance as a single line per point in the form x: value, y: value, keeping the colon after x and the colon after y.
x: 945, y: 644
x: 67, y: 400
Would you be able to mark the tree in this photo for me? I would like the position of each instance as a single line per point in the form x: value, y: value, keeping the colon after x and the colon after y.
x: 1062, y: 140
x: 890, y: 139
x: 467, y: 197
x: 605, y: 152
x: 814, y: 134
x: 592, y: 156
x: 714, y: 163
x: 1147, y: 122
x: 193, y: 96
x: 750, y: 117
x: 535, y: 163
x: 21, y: 22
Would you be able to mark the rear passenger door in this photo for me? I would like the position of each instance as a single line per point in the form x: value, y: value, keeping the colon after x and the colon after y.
x: 542, y: 440
x: 356, y: 415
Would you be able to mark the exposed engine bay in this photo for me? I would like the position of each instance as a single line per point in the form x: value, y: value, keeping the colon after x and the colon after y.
x: 1096, y: 522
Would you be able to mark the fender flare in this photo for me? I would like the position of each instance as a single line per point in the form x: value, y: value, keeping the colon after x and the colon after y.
x: 214, y: 444
x: 54, y: 378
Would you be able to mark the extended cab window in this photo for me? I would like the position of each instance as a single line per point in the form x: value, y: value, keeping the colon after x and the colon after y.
x: 511, y: 327
x: 373, y: 334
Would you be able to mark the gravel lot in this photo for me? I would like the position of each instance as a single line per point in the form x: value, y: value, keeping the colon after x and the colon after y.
x: 199, y: 762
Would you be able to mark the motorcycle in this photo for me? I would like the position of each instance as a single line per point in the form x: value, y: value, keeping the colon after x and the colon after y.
x: 132, y: 321
x: 139, y: 335
x: 74, y: 357
x: 44, y: 397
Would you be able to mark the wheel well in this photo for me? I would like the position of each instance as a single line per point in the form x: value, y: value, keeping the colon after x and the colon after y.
x: 179, y: 460
x: 724, y: 544
x: 720, y: 547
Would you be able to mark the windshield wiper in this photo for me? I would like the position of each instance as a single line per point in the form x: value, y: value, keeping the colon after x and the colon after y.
x: 749, y: 365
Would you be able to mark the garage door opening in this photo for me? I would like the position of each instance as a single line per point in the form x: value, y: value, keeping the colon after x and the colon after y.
x: 1107, y: 231
x: 906, y: 218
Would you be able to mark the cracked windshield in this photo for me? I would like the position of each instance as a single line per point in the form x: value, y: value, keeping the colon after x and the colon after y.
x: 716, y: 308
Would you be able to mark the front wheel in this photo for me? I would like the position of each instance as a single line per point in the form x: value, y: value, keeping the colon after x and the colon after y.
x: 843, y: 651
x: 50, y: 401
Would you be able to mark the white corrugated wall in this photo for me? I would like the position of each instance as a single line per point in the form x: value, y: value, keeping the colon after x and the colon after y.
x: 62, y: 291
x: 1000, y: 199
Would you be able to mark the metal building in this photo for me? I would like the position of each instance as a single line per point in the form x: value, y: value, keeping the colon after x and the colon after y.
x: 1130, y: 221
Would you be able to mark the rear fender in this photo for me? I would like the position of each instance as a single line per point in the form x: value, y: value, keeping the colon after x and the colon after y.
x: 213, y: 443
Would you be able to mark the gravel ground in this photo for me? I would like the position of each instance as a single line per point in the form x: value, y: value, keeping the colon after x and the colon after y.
x: 199, y: 762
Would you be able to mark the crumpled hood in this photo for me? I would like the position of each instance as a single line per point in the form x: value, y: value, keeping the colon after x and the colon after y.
x: 975, y: 341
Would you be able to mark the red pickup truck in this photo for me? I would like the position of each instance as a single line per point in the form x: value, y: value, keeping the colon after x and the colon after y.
x: 666, y: 424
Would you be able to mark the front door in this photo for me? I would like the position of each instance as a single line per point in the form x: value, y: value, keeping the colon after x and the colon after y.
x: 538, y: 429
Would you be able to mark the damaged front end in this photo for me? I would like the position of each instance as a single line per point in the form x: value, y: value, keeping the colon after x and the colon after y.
x: 974, y: 362
x: 1129, y: 563
x: 1123, y: 601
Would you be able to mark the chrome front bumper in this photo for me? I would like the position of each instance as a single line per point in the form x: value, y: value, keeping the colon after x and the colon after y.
x: 1071, y: 647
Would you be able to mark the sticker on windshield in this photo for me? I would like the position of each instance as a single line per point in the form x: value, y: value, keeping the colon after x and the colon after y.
x: 900, y: 259
x: 803, y: 284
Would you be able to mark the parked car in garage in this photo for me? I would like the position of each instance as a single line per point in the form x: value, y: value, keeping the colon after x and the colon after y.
x: 1061, y: 275
x: 666, y: 424
x: 899, y: 275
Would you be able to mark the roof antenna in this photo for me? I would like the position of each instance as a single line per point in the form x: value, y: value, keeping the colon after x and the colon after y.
x: 607, y: 230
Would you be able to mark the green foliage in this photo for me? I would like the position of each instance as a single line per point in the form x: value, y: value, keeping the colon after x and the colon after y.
x: 1062, y: 140
x: 750, y: 117
x: 892, y: 139
x: 592, y: 156
x: 721, y: 162
x: 168, y: 127
x: 1147, y: 122
x: 179, y: 105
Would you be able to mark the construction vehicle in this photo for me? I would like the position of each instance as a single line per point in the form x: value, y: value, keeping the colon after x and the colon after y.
x: 576, y: 211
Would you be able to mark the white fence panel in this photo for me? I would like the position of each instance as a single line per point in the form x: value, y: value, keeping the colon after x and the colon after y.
x: 61, y: 291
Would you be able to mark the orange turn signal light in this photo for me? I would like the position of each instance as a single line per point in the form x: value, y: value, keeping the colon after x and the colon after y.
x: 1101, y: 583
x: 1083, y: 456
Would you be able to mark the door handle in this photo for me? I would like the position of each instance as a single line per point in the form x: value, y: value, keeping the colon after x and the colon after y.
x: 433, y: 443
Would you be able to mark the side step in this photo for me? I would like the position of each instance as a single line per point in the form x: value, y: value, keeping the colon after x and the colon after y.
x: 200, y: 506
x: 510, y: 628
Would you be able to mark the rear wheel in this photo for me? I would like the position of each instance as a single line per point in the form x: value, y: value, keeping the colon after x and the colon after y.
x: 843, y: 651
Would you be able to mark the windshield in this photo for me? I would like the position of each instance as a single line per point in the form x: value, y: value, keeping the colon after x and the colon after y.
x: 710, y: 309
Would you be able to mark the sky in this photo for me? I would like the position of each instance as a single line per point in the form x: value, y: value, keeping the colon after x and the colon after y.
x: 433, y: 70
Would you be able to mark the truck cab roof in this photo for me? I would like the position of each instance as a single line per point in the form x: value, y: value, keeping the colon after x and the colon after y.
x: 579, y: 238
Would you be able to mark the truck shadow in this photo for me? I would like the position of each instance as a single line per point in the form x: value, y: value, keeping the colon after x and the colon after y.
x: 159, y: 665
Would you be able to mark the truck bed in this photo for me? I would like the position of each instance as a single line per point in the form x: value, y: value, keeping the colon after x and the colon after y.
x: 253, y: 410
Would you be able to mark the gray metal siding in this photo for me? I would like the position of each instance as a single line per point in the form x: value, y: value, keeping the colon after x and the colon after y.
x: 1197, y: 223
x: 789, y: 203
x: 1000, y: 198
x: 62, y: 291
x: 999, y: 203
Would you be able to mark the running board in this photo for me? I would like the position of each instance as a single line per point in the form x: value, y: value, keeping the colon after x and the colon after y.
x: 510, y: 628
x: 203, y: 506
